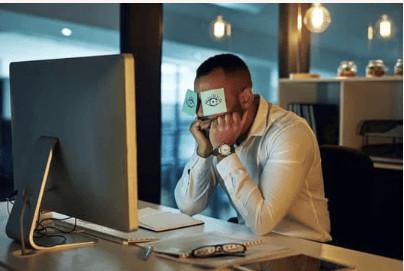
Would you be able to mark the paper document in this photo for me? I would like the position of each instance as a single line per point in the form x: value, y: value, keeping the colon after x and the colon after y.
x: 157, y: 220
x: 182, y: 247
x: 179, y: 249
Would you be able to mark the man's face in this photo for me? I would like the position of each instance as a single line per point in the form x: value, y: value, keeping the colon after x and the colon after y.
x: 215, y: 80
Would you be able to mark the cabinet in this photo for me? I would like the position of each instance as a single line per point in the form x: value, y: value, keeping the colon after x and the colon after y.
x: 359, y: 99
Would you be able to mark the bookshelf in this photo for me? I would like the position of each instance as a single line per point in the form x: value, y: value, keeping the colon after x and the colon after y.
x: 358, y: 99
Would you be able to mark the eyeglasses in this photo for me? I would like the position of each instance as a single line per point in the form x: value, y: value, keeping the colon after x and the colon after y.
x: 228, y: 249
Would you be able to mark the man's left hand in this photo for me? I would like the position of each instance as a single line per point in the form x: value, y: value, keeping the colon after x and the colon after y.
x: 226, y: 129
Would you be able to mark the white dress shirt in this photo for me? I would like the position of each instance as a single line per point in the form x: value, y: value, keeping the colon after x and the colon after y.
x: 274, y: 178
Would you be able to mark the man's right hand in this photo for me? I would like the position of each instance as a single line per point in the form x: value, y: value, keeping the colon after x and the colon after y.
x: 197, y: 130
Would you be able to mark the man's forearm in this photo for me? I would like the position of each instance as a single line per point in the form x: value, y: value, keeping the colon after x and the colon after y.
x: 195, y: 185
x: 262, y: 207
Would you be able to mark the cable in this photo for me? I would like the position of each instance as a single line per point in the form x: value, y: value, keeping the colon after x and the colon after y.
x: 41, y: 230
x: 58, y: 219
x: 47, y: 235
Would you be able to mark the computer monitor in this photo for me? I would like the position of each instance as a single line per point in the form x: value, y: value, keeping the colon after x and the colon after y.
x: 88, y: 105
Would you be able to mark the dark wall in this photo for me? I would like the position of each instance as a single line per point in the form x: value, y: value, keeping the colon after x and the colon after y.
x: 6, y: 166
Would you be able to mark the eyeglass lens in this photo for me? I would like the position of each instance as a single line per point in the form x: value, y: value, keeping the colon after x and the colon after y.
x: 221, y: 249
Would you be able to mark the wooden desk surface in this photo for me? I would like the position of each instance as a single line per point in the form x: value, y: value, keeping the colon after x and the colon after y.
x: 110, y: 256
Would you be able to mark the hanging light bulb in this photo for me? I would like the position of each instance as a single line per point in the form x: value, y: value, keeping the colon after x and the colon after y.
x: 385, y: 27
x: 220, y: 28
x: 317, y: 18
x: 228, y: 29
x: 370, y: 32
x: 299, y: 19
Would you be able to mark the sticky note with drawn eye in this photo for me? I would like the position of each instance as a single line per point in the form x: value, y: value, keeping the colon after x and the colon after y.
x: 213, y: 102
x: 190, y: 102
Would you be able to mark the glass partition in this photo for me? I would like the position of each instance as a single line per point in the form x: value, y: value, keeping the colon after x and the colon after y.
x: 47, y: 31
x: 355, y: 34
x: 188, y: 41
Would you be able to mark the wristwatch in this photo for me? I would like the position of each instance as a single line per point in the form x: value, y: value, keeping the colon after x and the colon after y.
x: 224, y: 150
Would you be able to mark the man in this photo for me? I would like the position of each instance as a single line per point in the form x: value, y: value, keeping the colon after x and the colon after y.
x: 265, y: 158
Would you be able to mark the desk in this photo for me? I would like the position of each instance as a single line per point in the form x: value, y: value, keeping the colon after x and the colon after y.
x: 110, y: 256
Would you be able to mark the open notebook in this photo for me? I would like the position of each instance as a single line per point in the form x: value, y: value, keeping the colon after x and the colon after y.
x: 182, y: 247
x: 179, y: 249
x: 156, y: 220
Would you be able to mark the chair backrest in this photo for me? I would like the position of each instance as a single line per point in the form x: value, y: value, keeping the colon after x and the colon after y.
x: 347, y: 177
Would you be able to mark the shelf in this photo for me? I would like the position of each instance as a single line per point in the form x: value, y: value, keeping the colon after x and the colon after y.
x: 343, y: 79
x: 358, y: 99
x: 391, y: 166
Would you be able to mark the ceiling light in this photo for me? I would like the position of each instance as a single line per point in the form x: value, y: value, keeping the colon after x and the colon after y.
x: 370, y: 32
x: 385, y: 27
x: 220, y: 28
x: 317, y: 18
x: 66, y: 32
x: 299, y: 19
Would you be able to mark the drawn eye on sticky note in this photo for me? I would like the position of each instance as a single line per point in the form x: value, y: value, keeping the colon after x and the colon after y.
x: 213, y: 102
x: 190, y: 102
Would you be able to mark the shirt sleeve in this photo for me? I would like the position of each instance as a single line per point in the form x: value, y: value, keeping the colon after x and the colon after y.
x: 265, y: 203
x: 196, y: 185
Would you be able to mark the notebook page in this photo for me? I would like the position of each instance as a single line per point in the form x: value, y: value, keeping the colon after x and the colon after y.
x: 182, y: 246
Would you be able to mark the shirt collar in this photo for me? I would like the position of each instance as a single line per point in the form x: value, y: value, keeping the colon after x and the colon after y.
x: 260, y: 123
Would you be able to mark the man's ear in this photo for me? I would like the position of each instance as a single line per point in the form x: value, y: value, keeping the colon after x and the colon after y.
x: 246, y: 98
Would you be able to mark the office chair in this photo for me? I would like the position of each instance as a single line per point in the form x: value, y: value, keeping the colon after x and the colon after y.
x: 347, y: 177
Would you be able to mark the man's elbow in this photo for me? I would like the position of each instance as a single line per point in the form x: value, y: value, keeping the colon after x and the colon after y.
x: 185, y: 205
x: 186, y: 208
x: 189, y: 205
x: 262, y: 229
x: 264, y: 224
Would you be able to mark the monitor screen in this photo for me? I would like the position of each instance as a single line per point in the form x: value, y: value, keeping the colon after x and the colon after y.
x: 88, y: 104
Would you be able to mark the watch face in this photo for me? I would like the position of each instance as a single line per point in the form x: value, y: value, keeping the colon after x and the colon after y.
x: 225, y: 149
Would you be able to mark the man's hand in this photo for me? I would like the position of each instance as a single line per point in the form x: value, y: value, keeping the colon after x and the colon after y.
x: 226, y: 129
x: 204, y: 146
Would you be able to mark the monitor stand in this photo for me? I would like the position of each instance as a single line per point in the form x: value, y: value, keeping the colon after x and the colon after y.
x: 23, y: 218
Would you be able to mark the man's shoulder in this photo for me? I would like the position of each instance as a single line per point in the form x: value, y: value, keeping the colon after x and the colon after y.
x: 272, y: 120
x: 281, y: 118
x: 284, y: 123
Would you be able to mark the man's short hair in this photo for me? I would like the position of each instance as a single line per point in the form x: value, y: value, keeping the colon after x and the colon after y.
x: 228, y: 62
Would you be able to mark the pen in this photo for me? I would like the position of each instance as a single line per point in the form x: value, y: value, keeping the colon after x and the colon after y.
x: 147, y: 252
